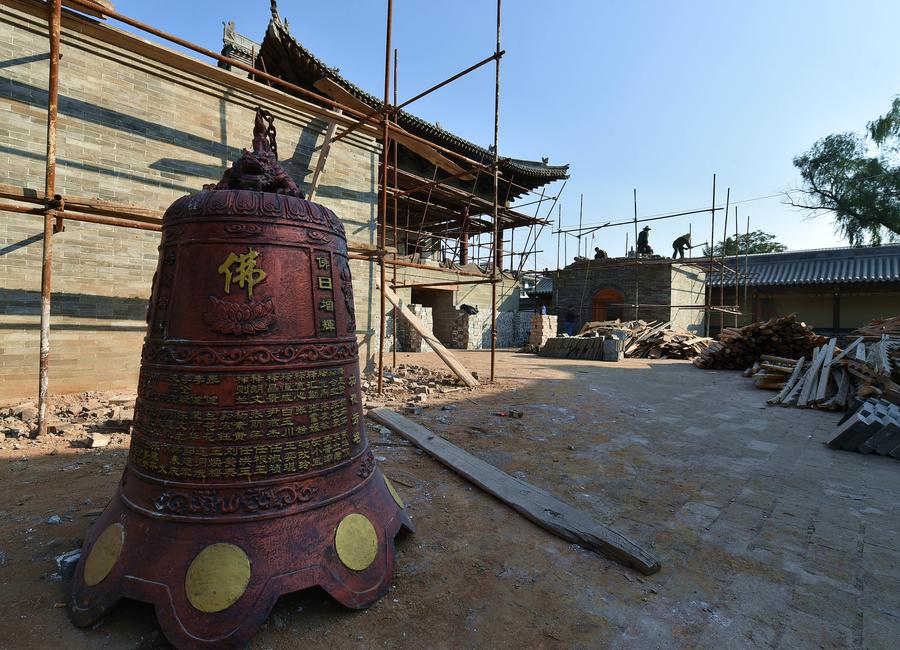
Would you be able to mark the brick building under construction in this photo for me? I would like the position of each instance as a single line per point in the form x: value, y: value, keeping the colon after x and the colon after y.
x: 140, y: 125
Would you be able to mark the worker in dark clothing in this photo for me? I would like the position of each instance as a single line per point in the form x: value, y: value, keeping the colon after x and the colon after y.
x: 570, y: 318
x: 643, y: 242
x: 680, y: 245
x: 600, y: 254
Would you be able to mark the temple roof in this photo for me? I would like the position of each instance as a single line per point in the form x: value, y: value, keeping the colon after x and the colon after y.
x: 285, y: 57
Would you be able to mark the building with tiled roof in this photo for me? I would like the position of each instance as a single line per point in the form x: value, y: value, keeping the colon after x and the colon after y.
x: 832, y: 289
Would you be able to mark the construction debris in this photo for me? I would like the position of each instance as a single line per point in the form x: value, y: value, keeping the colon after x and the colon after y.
x: 873, y: 428
x: 539, y: 506
x: 636, y: 339
x: 446, y: 356
x: 830, y: 378
x: 75, y: 416
x: 740, y: 348
x: 408, y: 383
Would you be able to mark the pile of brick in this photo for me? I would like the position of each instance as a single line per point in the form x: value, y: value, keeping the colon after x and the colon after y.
x: 87, y: 418
x: 408, y: 338
x: 543, y: 327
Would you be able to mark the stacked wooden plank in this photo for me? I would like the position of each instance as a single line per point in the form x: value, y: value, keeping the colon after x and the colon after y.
x: 740, y: 348
x: 651, y: 340
x: 880, y: 326
x: 831, y: 379
x: 873, y: 428
x: 669, y: 344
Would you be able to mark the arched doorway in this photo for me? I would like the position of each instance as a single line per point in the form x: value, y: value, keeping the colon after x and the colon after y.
x: 607, y: 304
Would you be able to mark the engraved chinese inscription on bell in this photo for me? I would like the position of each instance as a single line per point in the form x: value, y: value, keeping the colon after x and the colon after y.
x: 249, y: 474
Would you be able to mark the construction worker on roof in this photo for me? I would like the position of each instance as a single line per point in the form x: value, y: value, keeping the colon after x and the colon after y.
x: 680, y: 245
x: 643, y: 242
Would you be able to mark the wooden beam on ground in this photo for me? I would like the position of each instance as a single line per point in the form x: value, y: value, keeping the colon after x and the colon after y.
x: 812, y: 376
x: 535, y: 504
x: 849, y: 349
x: 445, y: 355
x: 323, y: 157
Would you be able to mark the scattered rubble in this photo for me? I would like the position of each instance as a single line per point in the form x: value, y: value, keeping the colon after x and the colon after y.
x: 66, y: 563
x: 88, y: 419
x: 409, y: 384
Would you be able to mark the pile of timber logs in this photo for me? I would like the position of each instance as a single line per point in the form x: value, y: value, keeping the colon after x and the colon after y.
x: 830, y: 378
x: 739, y: 348
x: 651, y: 340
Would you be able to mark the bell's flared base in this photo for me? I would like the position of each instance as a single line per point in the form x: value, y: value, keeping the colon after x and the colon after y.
x: 214, y: 584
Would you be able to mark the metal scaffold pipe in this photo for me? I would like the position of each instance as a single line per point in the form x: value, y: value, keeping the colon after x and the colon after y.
x: 55, y: 18
x: 496, y: 235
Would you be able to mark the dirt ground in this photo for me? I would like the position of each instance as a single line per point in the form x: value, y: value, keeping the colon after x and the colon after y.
x: 767, y: 538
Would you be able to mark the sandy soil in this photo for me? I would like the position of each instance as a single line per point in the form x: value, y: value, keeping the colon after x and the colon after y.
x: 657, y: 449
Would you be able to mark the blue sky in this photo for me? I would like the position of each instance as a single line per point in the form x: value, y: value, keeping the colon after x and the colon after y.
x: 648, y: 95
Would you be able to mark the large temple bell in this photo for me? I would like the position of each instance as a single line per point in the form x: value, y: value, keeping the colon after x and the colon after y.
x: 249, y: 474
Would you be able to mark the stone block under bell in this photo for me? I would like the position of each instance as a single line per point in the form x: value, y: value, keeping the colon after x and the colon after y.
x: 249, y: 474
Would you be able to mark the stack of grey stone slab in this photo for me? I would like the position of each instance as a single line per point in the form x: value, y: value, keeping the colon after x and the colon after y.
x: 873, y: 428
x: 597, y: 348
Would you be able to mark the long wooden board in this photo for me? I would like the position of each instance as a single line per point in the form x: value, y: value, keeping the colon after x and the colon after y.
x: 448, y: 358
x: 535, y: 504
x: 323, y: 157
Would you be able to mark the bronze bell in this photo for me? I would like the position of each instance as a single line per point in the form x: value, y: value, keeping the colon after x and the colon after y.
x: 249, y: 475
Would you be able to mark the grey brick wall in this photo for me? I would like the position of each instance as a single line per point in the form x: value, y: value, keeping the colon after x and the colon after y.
x: 144, y: 125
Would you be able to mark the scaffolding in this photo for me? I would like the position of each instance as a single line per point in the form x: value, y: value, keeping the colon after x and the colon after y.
x: 711, y: 264
x: 56, y: 208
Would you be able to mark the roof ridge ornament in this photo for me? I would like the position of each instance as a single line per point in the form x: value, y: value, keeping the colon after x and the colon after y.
x: 276, y: 18
x: 258, y: 169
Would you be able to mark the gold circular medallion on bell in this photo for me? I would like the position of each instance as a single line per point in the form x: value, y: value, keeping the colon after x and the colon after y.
x: 217, y: 578
x: 356, y: 542
x: 104, y: 554
x: 393, y: 492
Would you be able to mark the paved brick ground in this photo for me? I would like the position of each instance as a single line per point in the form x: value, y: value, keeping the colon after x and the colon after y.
x: 768, y: 537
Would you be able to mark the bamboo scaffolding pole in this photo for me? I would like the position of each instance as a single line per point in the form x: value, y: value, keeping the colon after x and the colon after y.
x: 724, y: 242
x: 396, y: 239
x: 737, y: 274
x: 637, y: 283
x: 385, y: 154
x: 496, y: 212
x: 54, y: 9
x: 712, y: 238
x: 449, y: 283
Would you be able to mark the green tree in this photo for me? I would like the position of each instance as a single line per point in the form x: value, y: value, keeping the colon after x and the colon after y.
x: 862, y: 191
x: 756, y: 241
